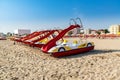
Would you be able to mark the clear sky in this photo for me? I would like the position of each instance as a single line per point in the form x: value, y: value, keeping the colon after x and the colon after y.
x: 48, y: 14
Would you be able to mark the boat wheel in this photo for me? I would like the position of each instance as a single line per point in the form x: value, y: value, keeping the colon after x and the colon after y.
x: 61, y: 49
x: 89, y: 45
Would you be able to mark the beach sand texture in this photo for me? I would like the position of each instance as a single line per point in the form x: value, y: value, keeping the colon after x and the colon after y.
x: 21, y: 62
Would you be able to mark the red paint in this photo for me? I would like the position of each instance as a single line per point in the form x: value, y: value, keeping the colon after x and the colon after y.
x: 72, y: 52
x: 52, y: 42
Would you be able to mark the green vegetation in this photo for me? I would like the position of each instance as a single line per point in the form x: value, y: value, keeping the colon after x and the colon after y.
x: 106, y: 31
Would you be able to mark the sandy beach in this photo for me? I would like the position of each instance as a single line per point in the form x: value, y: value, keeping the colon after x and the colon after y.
x: 21, y: 62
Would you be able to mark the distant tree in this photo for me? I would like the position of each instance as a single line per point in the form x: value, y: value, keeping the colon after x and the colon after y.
x: 98, y: 32
x: 9, y: 34
x: 106, y: 31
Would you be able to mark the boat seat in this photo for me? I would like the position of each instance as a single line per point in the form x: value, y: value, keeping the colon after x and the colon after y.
x: 75, y: 43
x: 64, y: 42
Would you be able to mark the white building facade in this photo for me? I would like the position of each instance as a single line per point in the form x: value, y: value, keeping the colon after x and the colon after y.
x: 22, y: 31
x: 87, y: 31
x: 114, y: 29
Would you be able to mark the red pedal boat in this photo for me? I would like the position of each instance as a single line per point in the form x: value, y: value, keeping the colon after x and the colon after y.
x: 43, y: 40
x: 64, y: 48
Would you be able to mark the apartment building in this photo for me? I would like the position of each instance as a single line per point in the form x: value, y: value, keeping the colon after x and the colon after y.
x: 114, y: 29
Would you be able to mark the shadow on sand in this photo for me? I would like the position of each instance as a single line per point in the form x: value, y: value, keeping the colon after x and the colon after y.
x: 91, y: 53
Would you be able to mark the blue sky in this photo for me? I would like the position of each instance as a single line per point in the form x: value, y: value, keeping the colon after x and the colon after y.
x: 48, y: 14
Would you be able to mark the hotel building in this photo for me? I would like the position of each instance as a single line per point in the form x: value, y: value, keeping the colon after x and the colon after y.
x: 114, y: 29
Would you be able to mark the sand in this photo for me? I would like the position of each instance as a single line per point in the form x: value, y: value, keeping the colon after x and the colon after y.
x: 21, y: 62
